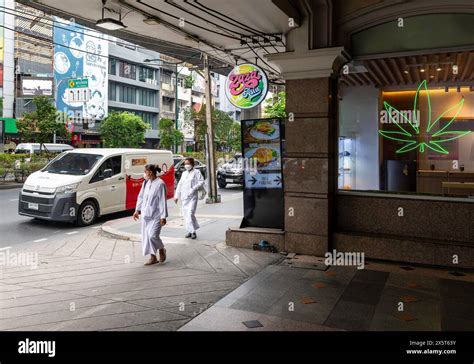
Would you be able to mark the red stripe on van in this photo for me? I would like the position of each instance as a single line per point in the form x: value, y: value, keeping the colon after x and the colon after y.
x: 134, y: 185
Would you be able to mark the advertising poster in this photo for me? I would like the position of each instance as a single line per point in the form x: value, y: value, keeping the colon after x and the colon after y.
x: 262, y: 148
x: 36, y: 87
x: 262, y: 145
x: 80, y: 53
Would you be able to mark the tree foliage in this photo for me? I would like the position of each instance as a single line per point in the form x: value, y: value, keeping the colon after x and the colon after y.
x: 169, y: 135
x: 226, y: 129
x: 43, y: 123
x: 123, y: 130
x: 275, y: 107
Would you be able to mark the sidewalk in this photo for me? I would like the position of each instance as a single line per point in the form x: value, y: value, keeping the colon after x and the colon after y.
x: 300, y: 294
x: 93, y: 282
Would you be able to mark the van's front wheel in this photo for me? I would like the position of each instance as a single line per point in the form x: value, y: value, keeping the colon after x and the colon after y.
x: 87, y: 214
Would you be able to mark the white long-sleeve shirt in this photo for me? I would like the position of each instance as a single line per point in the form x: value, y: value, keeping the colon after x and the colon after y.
x: 152, y: 200
x: 189, y: 184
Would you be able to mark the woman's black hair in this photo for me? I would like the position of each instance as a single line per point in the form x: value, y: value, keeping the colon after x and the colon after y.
x: 190, y: 160
x: 153, y: 168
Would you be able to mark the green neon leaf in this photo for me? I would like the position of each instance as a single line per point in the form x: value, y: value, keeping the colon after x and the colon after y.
x: 457, y: 106
x: 389, y: 108
x: 443, y: 135
x: 393, y: 135
x: 415, y: 104
x: 437, y: 148
x: 408, y: 147
x: 457, y: 135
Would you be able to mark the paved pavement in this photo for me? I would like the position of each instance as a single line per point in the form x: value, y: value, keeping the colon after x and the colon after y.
x: 300, y: 294
x: 94, y: 279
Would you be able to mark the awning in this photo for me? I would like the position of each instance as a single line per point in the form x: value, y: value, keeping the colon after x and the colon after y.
x: 10, y: 125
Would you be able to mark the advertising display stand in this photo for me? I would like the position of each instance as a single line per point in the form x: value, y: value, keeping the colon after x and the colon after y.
x: 262, y: 149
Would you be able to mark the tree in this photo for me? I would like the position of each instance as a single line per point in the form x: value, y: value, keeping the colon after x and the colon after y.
x: 169, y: 136
x: 226, y: 129
x: 123, y: 130
x: 43, y: 123
x: 275, y: 107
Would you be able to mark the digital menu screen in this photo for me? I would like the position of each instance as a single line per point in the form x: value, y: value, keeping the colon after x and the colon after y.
x: 262, y: 151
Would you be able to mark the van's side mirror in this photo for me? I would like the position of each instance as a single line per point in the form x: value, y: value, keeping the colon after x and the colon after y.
x: 108, y: 173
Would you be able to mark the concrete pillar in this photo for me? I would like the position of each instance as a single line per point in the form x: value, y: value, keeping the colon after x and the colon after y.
x: 310, y: 163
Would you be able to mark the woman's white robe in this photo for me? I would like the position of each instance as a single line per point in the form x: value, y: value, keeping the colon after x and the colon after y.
x: 152, y: 205
x: 187, y: 191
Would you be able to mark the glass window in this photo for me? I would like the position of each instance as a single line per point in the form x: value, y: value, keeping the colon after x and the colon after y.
x: 406, y: 126
x: 128, y: 94
x: 112, y: 66
x: 166, y: 78
x: 113, y: 163
x: 113, y: 91
x: 127, y: 70
x: 73, y: 163
x: 146, y: 74
x: 147, y: 98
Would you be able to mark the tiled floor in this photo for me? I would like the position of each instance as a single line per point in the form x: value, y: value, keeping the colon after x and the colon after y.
x: 382, y: 297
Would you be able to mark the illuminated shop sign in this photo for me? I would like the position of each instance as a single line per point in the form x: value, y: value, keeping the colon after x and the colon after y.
x: 434, y: 134
x: 246, y: 86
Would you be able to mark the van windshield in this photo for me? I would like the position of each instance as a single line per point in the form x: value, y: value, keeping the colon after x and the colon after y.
x: 78, y: 164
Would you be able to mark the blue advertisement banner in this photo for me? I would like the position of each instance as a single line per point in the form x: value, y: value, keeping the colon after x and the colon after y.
x: 80, y: 53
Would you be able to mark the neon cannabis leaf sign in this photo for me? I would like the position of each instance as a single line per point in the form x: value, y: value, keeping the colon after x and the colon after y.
x: 411, y: 135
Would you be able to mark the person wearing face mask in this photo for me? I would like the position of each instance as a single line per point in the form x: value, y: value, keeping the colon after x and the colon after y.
x: 187, y: 190
x: 152, y: 207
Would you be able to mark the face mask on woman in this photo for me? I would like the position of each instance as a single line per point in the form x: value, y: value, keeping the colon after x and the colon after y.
x: 188, y: 167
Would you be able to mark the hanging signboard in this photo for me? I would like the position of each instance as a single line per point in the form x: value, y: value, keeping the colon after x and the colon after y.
x: 246, y: 86
x: 262, y: 141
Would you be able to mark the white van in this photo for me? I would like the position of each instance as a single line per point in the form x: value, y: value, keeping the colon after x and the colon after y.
x: 80, y: 185
x: 32, y: 148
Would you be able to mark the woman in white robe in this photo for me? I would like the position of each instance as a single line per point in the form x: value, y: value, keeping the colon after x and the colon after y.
x: 152, y: 207
x: 188, y: 191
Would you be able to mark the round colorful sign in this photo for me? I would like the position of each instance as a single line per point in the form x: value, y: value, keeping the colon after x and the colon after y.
x: 246, y: 86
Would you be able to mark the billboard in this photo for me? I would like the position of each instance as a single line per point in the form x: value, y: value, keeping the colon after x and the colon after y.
x: 36, y: 87
x: 80, y: 53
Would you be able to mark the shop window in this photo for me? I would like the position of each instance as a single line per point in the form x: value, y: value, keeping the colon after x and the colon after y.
x: 408, y: 127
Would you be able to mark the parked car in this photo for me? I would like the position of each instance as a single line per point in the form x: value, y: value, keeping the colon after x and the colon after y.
x: 177, y: 158
x: 83, y: 184
x: 231, y: 172
x: 179, y: 169
x: 33, y: 148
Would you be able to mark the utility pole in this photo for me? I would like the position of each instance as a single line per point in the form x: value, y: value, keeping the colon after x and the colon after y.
x: 176, y: 108
x: 213, y: 197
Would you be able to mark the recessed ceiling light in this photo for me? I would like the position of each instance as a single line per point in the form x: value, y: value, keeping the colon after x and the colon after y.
x: 406, y: 71
x: 431, y: 76
x: 422, y: 70
x: 439, y: 69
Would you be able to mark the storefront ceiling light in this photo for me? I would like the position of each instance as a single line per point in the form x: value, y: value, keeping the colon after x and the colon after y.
x: 406, y: 71
x: 422, y: 70
x: 439, y: 69
x: 110, y: 24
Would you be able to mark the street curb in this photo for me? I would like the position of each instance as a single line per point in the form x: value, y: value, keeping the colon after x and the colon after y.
x: 11, y: 186
x: 117, y: 234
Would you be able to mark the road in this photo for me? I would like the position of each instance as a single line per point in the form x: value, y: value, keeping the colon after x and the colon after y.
x: 23, y: 232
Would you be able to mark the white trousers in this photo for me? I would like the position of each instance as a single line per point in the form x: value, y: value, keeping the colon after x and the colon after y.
x: 151, y: 240
x: 189, y: 210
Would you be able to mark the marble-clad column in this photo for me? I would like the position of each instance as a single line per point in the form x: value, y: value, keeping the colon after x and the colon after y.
x: 310, y: 161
